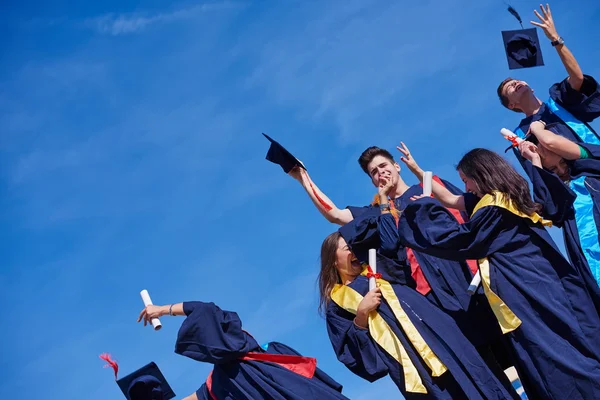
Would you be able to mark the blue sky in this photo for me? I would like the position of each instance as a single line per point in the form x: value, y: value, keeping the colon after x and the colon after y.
x: 131, y: 158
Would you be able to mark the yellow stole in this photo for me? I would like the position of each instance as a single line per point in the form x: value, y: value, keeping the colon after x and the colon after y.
x: 506, y: 318
x: 349, y: 299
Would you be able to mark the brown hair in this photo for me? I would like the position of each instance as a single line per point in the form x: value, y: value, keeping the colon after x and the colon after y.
x: 503, y: 98
x: 328, y: 276
x: 369, y: 154
x: 491, y: 172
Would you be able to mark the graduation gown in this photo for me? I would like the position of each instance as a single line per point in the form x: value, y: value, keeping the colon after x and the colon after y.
x: 584, y: 105
x: 554, y: 358
x: 467, y: 376
x: 215, y: 336
x: 575, y: 207
x: 447, y: 280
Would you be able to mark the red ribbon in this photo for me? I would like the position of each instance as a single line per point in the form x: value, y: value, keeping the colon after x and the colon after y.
x: 370, y: 273
x: 304, y: 366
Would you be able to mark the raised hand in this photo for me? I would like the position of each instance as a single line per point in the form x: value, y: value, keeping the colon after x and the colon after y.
x: 547, y: 23
x: 408, y: 159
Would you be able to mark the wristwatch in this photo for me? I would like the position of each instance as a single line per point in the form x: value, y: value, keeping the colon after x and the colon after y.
x: 384, y: 207
x: 557, y: 42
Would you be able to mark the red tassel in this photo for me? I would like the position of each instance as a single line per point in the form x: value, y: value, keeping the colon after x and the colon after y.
x: 111, y: 363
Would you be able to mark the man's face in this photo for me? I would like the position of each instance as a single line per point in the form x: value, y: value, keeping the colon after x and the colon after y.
x: 514, y: 91
x: 381, y: 167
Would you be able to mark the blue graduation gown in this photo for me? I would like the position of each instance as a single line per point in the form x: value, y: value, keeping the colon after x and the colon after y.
x: 467, y: 377
x: 449, y: 279
x: 583, y: 105
x: 554, y: 358
x: 212, y: 335
x: 558, y: 201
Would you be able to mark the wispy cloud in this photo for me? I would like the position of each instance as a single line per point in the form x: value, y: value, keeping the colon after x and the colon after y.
x: 123, y: 24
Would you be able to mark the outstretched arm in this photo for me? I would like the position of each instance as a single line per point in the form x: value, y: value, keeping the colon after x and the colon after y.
x: 150, y: 312
x: 567, y: 58
x: 446, y: 197
x: 325, y: 206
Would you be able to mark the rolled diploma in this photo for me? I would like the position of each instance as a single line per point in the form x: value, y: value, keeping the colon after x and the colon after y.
x: 373, y: 265
x: 474, y: 283
x: 509, y: 135
x: 148, y: 302
x: 427, y: 176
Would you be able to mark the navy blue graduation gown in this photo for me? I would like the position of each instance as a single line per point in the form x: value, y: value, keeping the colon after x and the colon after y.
x: 467, y: 377
x: 558, y: 201
x: 215, y: 336
x: 554, y: 358
x: 448, y: 279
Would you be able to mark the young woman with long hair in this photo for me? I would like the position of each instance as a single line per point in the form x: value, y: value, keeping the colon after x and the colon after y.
x: 529, y: 284
x: 394, y: 330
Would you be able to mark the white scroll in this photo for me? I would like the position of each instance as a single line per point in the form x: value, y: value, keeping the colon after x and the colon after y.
x: 148, y: 302
x: 373, y: 265
x: 427, y: 177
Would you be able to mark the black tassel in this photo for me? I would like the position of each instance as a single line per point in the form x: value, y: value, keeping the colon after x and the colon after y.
x: 516, y: 15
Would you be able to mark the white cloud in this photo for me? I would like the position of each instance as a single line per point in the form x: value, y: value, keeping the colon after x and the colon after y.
x: 123, y: 24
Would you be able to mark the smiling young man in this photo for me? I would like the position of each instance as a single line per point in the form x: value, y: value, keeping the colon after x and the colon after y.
x: 573, y: 103
x: 443, y: 282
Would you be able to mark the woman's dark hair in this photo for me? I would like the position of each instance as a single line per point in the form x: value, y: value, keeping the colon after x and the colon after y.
x: 492, y: 173
x: 328, y: 276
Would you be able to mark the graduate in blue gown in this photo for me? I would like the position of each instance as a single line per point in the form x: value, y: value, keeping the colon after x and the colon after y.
x: 573, y: 102
x: 394, y: 331
x: 523, y: 273
x: 570, y: 196
x: 242, y: 368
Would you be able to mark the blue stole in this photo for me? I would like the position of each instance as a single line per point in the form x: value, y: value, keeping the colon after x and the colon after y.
x: 583, y: 204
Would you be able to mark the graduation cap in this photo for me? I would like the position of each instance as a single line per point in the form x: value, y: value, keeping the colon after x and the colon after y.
x: 147, y: 383
x: 522, y: 46
x: 277, y: 154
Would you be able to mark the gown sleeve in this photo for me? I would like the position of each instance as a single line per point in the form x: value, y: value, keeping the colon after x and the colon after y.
x: 584, y: 103
x: 555, y: 197
x: 212, y: 335
x: 354, y: 347
x: 429, y: 227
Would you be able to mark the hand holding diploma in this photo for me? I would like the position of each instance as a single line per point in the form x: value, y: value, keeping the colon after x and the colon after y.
x: 151, y: 312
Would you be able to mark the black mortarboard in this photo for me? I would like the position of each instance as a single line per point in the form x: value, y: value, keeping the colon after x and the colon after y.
x: 147, y: 383
x: 279, y: 155
x: 522, y: 48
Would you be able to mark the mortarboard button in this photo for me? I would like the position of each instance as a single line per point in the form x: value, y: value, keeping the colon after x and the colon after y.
x: 522, y: 48
x: 279, y: 155
x: 147, y: 383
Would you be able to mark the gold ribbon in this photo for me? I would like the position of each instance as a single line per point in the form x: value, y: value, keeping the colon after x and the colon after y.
x: 349, y: 299
x: 506, y: 318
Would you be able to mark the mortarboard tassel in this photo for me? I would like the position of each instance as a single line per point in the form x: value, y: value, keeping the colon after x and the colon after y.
x: 111, y: 363
x: 516, y: 15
